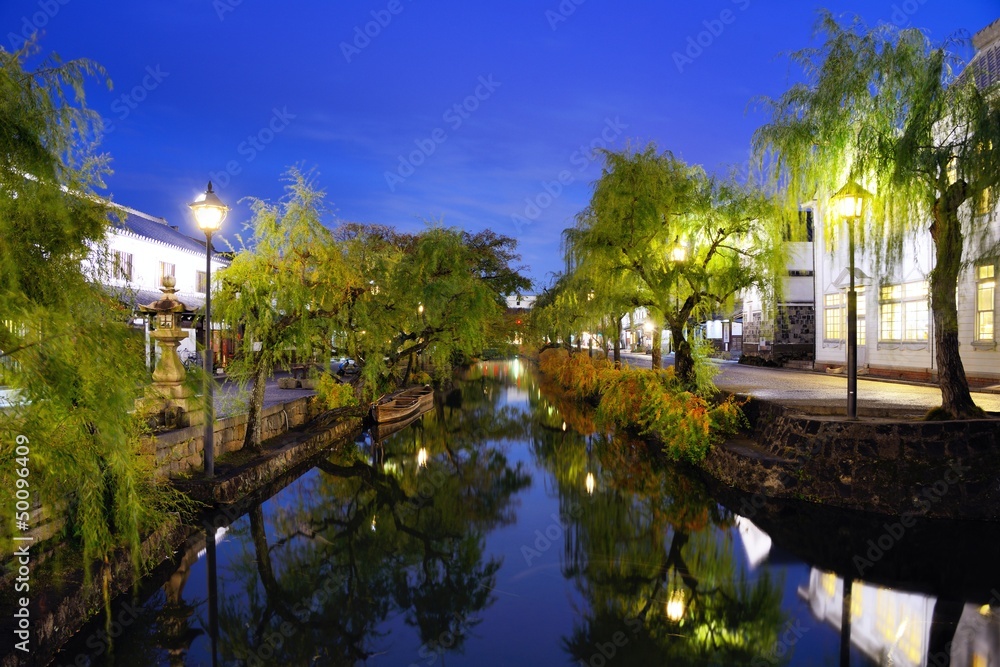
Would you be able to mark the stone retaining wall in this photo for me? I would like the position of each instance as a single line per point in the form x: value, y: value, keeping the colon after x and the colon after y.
x: 883, y: 463
x: 182, y: 451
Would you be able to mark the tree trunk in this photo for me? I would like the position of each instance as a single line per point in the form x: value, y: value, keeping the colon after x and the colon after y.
x: 253, y: 437
x: 657, y: 344
x: 683, y: 360
x: 618, y: 342
x: 956, y: 400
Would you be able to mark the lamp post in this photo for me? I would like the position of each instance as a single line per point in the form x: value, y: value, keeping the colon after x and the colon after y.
x: 850, y: 204
x: 209, y: 212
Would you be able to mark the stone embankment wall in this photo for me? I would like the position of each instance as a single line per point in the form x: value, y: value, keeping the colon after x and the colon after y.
x: 182, y: 451
x: 883, y: 463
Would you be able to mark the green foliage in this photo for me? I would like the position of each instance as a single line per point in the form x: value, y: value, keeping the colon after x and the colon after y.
x: 284, y: 291
x: 653, y: 403
x: 704, y: 370
x: 887, y: 109
x: 662, y: 234
x: 333, y: 394
x: 65, y: 346
x: 434, y: 297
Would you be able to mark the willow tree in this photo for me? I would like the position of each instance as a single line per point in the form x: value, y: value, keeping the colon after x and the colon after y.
x: 888, y: 109
x: 66, y: 348
x: 282, y: 293
x: 436, y: 297
x: 689, y: 242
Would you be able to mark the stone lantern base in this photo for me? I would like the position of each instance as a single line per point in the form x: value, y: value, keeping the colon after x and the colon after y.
x: 172, y: 405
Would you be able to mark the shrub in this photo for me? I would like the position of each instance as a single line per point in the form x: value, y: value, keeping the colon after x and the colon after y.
x: 652, y: 402
x: 333, y: 394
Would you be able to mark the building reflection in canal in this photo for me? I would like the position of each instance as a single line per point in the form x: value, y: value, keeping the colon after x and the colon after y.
x: 894, y: 627
x: 506, y: 527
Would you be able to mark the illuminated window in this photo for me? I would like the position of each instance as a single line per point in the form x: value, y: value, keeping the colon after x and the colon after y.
x: 121, y: 265
x: 861, y: 330
x: 200, y: 282
x: 985, y: 301
x: 904, y: 312
x: 166, y: 269
x: 828, y: 582
x: 833, y: 316
x: 983, y: 202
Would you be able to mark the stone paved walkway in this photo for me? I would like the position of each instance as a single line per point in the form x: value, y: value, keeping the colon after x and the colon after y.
x: 803, y: 388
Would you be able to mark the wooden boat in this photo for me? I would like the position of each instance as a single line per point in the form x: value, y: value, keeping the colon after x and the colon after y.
x: 403, y: 404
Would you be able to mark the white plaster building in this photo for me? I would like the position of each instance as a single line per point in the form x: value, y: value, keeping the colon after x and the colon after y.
x: 788, y: 335
x: 140, y: 249
x: 896, y: 336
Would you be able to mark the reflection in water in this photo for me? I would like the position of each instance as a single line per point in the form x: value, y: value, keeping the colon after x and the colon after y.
x: 503, y: 528
x: 894, y: 627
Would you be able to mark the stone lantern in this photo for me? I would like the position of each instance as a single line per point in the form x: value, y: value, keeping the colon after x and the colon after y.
x: 175, y: 400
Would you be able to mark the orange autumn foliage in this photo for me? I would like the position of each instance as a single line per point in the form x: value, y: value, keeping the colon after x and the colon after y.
x: 652, y: 402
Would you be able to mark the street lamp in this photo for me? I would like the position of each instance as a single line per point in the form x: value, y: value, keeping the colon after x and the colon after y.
x: 849, y: 202
x: 209, y: 212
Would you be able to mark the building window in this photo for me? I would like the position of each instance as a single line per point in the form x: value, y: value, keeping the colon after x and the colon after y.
x: 833, y: 316
x: 121, y: 265
x: 903, y: 312
x: 861, y: 331
x: 985, y: 301
x: 166, y: 269
x: 200, y: 282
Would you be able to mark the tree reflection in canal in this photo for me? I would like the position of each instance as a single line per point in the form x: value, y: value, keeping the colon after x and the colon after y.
x: 375, y: 535
x: 645, y: 546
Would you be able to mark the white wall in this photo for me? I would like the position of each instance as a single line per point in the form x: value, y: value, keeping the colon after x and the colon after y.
x: 917, y: 261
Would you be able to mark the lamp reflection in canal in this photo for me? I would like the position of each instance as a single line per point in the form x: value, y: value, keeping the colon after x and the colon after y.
x: 422, y: 457
x: 676, y: 606
x: 590, y: 483
x: 213, y: 588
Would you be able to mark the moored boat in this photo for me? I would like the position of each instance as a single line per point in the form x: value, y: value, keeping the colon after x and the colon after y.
x: 403, y: 404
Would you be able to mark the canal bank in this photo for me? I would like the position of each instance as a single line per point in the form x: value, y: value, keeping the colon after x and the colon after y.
x: 800, y: 445
x: 63, y: 601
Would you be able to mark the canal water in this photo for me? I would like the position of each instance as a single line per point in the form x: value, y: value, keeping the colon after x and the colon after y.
x: 503, y: 529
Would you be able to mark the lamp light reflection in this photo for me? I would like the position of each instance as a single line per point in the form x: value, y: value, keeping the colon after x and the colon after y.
x: 675, y: 606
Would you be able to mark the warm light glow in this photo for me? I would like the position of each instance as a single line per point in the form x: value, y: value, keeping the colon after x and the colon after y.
x: 422, y: 457
x: 902, y: 629
x: 675, y: 606
x: 590, y: 483
x: 678, y: 253
x: 984, y: 610
x: 374, y: 519
x: 420, y: 309
x: 209, y: 211
x: 849, y: 206
x: 849, y: 201
x: 590, y: 295
x: 564, y: 426
x: 648, y: 326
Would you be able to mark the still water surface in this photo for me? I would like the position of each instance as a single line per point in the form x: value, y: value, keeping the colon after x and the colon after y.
x: 502, y: 529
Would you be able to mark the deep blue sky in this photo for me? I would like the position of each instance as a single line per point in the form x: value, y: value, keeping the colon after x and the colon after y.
x: 195, y: 80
